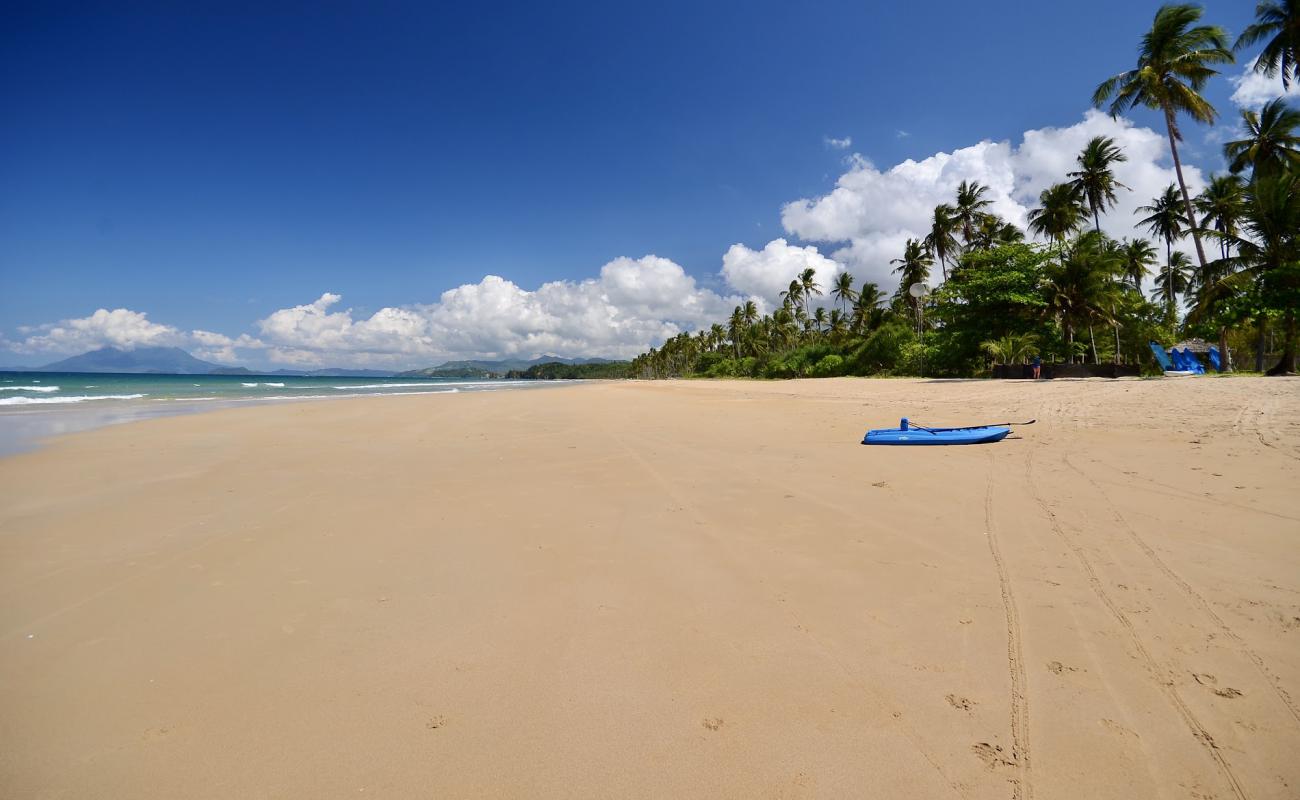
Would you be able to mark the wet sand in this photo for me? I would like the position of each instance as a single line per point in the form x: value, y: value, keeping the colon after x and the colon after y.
x: 699, y: 589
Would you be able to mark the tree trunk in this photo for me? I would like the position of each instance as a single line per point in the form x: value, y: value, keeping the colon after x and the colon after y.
x: 1118, y: 360
x: 1225, y: 357
x: 1169, y: 278
x: 1286, y: 365
x: 1259, y: 344
x: 1092, y: 338
x: 1187, y: 199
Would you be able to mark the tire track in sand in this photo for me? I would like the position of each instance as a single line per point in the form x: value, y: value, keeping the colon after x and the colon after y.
x: 1021, y: 786
x: 1166, y: 685
x: 1194, y: 596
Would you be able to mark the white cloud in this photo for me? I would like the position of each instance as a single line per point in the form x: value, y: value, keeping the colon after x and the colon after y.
x: 120, y: 328
x: 1254, y: 89
x: 126, y: 330
x: 764, y: 274
x: 901, y: 134
x: 839, y: 144
x: 872, y: 212
x: 633, y: 304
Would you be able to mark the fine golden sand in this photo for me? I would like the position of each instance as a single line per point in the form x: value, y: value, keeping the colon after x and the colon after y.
x: 663, y: 590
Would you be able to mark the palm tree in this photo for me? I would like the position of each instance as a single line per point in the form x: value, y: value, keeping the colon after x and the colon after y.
x: 1280, y: 20
x: 838, y: 325
x: 749, y: 312
x: 808, y: 283
x: 866, y: 310
x: 993, y: 231
x: 1060, y: 215
x: 1173, y: 67
x: 1138, y: 255
x: 914, y: 266
x: 970, y: 207
x: 819, y: 319
x: 790, y: 297
x: 1081, y: 286
x: 941, y: 240
x: 735, y: 330
x: 1177, y: 278
x: 1014, y: 348
x: 842, y: 290
x: 1166, y: 220
x: 1094, y: 181
x: 1272, y: 143
x: 1268, y: 250
x: 1221, y: 205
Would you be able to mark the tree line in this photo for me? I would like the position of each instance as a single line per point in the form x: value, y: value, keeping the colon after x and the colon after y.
x: 1077, y: 294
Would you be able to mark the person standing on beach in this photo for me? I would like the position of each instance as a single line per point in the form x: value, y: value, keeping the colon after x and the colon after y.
x: 1038, y: 366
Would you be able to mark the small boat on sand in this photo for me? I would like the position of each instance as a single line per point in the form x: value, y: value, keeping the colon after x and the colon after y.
x: 908, y: 433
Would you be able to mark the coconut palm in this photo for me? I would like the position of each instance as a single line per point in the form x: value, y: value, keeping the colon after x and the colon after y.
x: 1060, y: 214
x: 792, y: 296
x: 992, y: 231
x: 1278, y: 21
x: 970, y: 207
x: 1095, y: 181
x: 1138, y: 255
x: 1166, y: 221
x: 1014, y: 348
x: 842, y: 289
x: 808, y: 283
x: 1268, y: 252
x: 1175, y: 280
x: 750, y: 312
x: 736, y: 330
x: 1220, y: 204
x: 866, y: 309
x: 1174, y: 64
x: 1271, y: 145
x: 1081, y: 286
x: 914, y: 266
x: 838, y: 324
x: 942, y: 239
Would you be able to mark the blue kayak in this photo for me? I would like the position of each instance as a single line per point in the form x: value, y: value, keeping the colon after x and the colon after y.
x: 907, y: 433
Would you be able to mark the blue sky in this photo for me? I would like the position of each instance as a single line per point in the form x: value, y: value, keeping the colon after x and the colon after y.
x: 209, y: 164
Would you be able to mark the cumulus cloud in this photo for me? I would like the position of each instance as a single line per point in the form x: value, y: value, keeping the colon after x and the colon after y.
x: 126, y: 330
x: 764, y: 274
x: 839, y: 144
x: 1253, y: 89
x: 633, y: 304
x: 872, y: 212
x: 120, y: 328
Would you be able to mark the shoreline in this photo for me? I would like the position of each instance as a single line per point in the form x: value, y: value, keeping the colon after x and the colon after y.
x: 648, y: 589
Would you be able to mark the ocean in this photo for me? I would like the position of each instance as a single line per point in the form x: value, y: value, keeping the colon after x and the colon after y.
x: 35, y: 405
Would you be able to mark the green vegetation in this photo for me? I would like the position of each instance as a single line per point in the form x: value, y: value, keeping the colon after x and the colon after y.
x: 1078, y: 296
x: 554, y: 370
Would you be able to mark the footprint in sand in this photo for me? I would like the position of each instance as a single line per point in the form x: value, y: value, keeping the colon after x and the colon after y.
x: 991, y: 755
x: 1058, y: 668
x: 959, y: 702
x: 436, y: 722
x: 1227, y: 692
x: 1205, y: 678
x: 712, y: 723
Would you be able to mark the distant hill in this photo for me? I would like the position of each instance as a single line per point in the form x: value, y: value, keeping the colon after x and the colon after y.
x: 483, y: 369
x: 166, y: 360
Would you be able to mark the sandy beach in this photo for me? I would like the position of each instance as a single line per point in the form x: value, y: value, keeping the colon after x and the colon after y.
x: 677, y: 589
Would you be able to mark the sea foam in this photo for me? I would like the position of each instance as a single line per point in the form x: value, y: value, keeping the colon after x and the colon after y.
x: 29, y: 388
x: 29, y: 401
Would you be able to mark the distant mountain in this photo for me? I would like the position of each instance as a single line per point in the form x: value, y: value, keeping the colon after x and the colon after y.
x: 501, y: 367
x: 166, y: 360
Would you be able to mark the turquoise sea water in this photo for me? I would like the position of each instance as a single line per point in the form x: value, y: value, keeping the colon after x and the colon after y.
x: 34, y: 405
